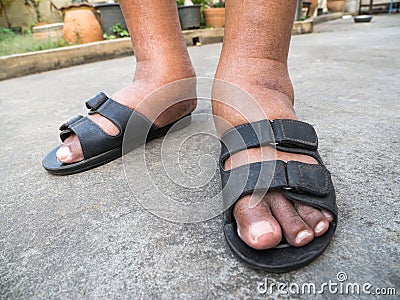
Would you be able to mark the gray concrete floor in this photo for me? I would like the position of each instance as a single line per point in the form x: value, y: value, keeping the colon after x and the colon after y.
x: 89, y: 236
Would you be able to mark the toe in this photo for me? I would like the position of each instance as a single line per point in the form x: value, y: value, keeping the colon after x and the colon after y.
x: 313, y: 217
x: 327, y: 215
x: 256, y: 225
x: 70, y: 151
x: 296, y: 231
x: 63, y: 153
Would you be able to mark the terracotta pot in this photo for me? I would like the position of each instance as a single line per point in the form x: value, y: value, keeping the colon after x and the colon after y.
x: 215, y: 17
x: 336, y: 5
x: 81, y: 24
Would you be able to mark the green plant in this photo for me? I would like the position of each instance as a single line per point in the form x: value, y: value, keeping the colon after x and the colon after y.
x: 119, y: 30
x: 20, y: 43
x: 6, y: 33
x: 213, y: 4
x: 108, y: 36
x: 182, y: 2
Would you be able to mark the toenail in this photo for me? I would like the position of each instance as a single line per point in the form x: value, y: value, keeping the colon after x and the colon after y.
x: 320, y: 226
x: 63, y: 153
x: 327, y: 214
x: 260, y: 228
x: 302, y: 235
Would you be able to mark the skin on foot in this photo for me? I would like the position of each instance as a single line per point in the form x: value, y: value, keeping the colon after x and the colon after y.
x: 151, y: 94
x: 262, y: 226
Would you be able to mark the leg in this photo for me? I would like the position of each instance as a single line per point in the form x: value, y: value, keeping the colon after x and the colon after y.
x: 162, y: 58
x: 254, y: 58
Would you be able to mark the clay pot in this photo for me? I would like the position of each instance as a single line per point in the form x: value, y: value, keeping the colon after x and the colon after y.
x: 215, y: 17
x: 81, y: 24
x: 336, y: 5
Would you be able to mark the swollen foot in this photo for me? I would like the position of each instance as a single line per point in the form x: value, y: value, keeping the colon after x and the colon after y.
x: 262, y: 226
x: 153, y: 94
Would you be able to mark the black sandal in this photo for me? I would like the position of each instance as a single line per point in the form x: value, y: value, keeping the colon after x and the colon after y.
x: 307, y: 183
x: 100, y: 148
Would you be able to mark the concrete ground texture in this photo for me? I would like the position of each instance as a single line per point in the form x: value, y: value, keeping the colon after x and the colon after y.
x: 92, y: 235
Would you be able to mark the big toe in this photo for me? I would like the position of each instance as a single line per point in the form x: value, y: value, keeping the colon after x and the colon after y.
x: 70, y: 151
x: 256, y: 225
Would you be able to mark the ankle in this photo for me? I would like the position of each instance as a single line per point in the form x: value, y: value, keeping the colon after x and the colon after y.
x: 245, y: 92
x: 256, y: 74
x: 164, y: 70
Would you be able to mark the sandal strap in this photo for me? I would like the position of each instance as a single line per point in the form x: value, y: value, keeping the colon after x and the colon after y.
x: 66, y: 127
x: 283, y: 133
x: 95, y: 102
x: 92, y: 138
x: 70, y: 122
x: 311, y: 181
x: 117, y: 113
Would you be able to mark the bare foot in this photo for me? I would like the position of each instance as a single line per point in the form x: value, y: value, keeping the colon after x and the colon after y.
x: 263, y: 226
x: 161, y: 106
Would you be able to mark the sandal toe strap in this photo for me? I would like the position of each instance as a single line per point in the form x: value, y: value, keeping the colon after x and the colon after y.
x: 92, y: 138
x: 307, y: 183
x: 67, y: 124
x: 65, y: 128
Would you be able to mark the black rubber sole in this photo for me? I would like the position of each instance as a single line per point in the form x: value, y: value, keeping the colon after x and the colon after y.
x: 283, y: 258
x: 55, y: 167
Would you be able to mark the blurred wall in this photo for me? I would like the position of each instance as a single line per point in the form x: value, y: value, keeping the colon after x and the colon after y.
x: 24, y: 16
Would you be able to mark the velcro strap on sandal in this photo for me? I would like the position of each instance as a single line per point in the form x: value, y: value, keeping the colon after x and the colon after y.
x: 280, y: 132
x: 94, y: 103
x: 67, y: 124
x: 297, y: 177
x: 295, y: 133
x: 66, y: 127
x: 311, y: 178
x: 246, y: 136
x: 117, y: 113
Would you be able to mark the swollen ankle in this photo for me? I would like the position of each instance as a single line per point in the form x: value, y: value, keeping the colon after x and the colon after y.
x: 251, y: 90
x: 164, y: 70
x: 239, y: 104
